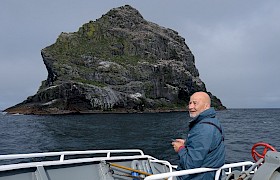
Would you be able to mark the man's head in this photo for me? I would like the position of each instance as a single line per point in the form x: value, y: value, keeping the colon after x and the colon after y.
x: 199, y: 102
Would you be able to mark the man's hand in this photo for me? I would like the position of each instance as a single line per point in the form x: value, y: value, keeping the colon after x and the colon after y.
x: 177, y: 144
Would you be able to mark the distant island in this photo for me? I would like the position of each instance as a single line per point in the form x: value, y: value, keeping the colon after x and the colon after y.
x: 118, y: 63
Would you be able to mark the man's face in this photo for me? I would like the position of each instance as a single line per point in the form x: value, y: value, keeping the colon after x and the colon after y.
x: 196, y: 105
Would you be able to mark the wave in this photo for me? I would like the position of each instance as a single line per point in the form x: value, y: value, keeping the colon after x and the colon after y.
x: 3, y: 112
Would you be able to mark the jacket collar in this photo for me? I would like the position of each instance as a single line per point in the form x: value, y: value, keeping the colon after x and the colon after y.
x: 208, y: 113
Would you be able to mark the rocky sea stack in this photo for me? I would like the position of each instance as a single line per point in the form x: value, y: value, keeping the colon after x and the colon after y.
x: 118, y: 63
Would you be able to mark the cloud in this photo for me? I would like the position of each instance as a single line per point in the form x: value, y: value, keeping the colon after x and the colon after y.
x: 237, y: 57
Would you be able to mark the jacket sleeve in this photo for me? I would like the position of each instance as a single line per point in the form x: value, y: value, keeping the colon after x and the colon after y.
x: 197, y: 147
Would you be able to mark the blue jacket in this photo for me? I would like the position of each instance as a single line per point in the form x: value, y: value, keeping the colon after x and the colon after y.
x: 204, y: 146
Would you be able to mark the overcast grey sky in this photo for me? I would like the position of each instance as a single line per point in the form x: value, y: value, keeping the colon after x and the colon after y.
x: 236, y: 43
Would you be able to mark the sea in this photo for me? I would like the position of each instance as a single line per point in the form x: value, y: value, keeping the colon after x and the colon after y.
x: 150, y: 132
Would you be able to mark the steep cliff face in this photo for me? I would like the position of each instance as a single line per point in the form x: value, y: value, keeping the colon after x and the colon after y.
x: 120, y: 62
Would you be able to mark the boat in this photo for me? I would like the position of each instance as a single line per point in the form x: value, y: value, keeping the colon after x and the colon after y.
x: 128, y: 164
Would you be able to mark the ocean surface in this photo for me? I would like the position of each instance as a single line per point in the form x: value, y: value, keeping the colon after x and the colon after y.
x: 151, y: 132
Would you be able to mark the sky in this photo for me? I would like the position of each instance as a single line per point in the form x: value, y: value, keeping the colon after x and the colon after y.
x: 236, y: 44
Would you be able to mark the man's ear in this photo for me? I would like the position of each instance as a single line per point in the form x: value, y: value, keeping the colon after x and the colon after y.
x: 207, y: 106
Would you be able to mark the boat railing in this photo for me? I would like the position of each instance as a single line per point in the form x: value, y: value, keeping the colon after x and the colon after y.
x: 62, y: 154
x: 64, y: 157
x: 60, y: 157
x: 227, y: 168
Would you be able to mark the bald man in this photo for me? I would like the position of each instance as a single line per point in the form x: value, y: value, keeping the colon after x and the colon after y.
x: 204, y: 145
